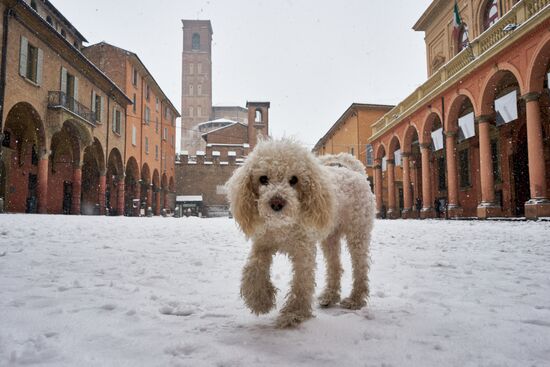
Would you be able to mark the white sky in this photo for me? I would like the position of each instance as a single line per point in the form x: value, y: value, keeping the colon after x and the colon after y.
x: 310, y: 59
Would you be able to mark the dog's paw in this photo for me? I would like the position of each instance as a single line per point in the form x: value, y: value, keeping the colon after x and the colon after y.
x: 353, y: 303
x: 259, y: 300
x: 329, y: 298
x: 292, y: 319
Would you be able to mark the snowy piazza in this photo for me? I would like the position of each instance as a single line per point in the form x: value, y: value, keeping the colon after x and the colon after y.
x: 275, y: 183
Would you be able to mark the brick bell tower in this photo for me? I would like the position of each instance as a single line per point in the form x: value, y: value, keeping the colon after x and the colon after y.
x: 258, y: 121
x: 196, y: 93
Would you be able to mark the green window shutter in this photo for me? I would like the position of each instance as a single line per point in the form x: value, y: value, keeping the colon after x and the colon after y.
x: 100, y: 108
x: 23, y: 54
x: 39, y: 66
x: 93, y: 101
x: 75, y: 95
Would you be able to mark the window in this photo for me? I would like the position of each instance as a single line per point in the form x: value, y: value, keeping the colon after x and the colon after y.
x: 33, y: 5
x: 191, y: 89
x: 63, y: 33
x: 30, y: 61
x: 134, y: 103
x: 258, y: 116
x: 352, y: 151
x: 462, y: 40
x: 156, y: 152
x: 495, y: 152
x: 117, y: 121
x: 199, y: 90
x: 134, y: 132
x: 134, y: 76
x: 199, y: 68
x: 441, y: 173
x: 464, y: 168
x: 97, y: 106
x: 147, y: 91
x: 147, y: 115
x: 156, y: 104
x: 157, y: 125
x: 146, y: 145
x: 49, y: 20
x: 165, y: 134
x: 490, y: 15
x: 191, y: 67
x: 199, y: 111
x: 196, y: 42
x: 370, y: 155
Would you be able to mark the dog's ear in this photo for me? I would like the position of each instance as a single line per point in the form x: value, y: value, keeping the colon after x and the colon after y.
x: 318, y: 200
x: 242, y: 199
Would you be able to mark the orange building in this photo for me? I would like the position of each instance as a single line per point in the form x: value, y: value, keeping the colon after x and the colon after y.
x: 62, y: 121
x: 475, y: 137
x: 350, y: 134
x: 149, y: 153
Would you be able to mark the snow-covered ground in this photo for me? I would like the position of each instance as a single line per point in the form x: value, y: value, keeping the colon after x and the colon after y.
x: 113, y: 291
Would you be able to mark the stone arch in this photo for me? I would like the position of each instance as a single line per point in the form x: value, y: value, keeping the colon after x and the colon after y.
x: 489, y: 88
x: 432, y: 121
x: 114, y: 175
x: 380, y: 151
x: 456, y: 106
x: 93, y: 166
x: 146, y: 192
x: 409, y: 136
x: 132, y: 192
x: 25, y: 145
x: 538, y: 66
x: 394, y: 144
x: 480, y: 16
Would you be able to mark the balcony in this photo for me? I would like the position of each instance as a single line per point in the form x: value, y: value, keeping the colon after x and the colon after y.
x: 493, y: 40
x: 60, y: 100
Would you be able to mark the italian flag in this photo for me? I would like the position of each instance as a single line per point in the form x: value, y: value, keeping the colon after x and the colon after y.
x: 457, y: 21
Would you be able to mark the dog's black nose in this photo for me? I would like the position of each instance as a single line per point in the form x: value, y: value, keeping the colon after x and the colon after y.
x: 277, y: 203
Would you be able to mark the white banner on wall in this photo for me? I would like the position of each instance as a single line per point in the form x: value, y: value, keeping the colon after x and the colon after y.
x: 397, y: 157
x: 466, y: 126
x: 437, y: 138
x: 506, y: 108
x: 384, y: 163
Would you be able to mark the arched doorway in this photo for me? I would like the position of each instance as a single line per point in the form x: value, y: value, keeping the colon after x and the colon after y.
x: 394, y: 177
x: 519, y: 163
x: 113, y: 178
x: 146, y: 192
x: 156, y: 192
x: 24, y: 150
x: 93, y: 166
x: 132, y: 185
x: 164, y: 188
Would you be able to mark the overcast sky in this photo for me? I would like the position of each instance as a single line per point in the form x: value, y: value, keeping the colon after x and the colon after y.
x: 310, y: 59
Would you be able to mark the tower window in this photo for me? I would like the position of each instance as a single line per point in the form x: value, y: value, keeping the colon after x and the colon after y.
x: 196, y: 42
x: 33, y: 5
x: 258, y: 116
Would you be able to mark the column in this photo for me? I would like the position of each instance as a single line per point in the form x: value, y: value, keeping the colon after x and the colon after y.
x: 538, y: 205
x: 407, y: 200
x: 452, y: 175
x: 427, y: 208
x: 77, y: 189
x: 392, y: 211
x: 378, y: 187
x: 137, y: 195
x: 487, y: 207
x: 101, y: 193
x: 42, y: 189
x: 120, y: 196
x: 157, y: 201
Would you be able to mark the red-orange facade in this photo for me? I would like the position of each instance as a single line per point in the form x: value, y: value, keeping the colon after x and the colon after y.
x: 475, y: 138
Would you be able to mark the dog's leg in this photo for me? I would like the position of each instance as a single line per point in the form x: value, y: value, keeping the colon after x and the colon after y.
x: 331, y: 252
x: 358, y: 244
x: 298, y: 301
x: 256, y: 288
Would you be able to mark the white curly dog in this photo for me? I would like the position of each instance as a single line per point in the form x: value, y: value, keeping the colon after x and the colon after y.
x: 285, y: 199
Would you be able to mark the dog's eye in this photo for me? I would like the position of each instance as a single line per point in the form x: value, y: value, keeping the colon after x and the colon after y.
x: 293, y: 181
x: 264, y: 180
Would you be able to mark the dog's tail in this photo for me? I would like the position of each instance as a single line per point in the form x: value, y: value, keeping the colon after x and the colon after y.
x: 343, y: 160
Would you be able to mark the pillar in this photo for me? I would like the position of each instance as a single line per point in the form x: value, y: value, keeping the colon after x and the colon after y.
x: 454, y: 209
x: 488, y: 207
x: 392, y: 210
x: 157, y: 201
x: 407, y: 199
x: 427, y: 208
x: 77, y: 189
x: 120, y: 196
x: 538, y: 204
x: 42, y: 189
x: 101, y: 193
x: 378, y: 188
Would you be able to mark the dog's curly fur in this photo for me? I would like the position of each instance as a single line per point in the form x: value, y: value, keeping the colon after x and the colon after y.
x: 323, y: 199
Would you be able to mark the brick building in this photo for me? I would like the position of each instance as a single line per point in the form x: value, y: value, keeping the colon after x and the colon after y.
x: 71, y: 135
x: 205, y: 173
x: 476, y: 134
x: 62, y: 119
x: 149, y: 153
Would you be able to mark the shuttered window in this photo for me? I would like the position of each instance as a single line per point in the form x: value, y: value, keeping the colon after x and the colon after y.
x: 31, y: 60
